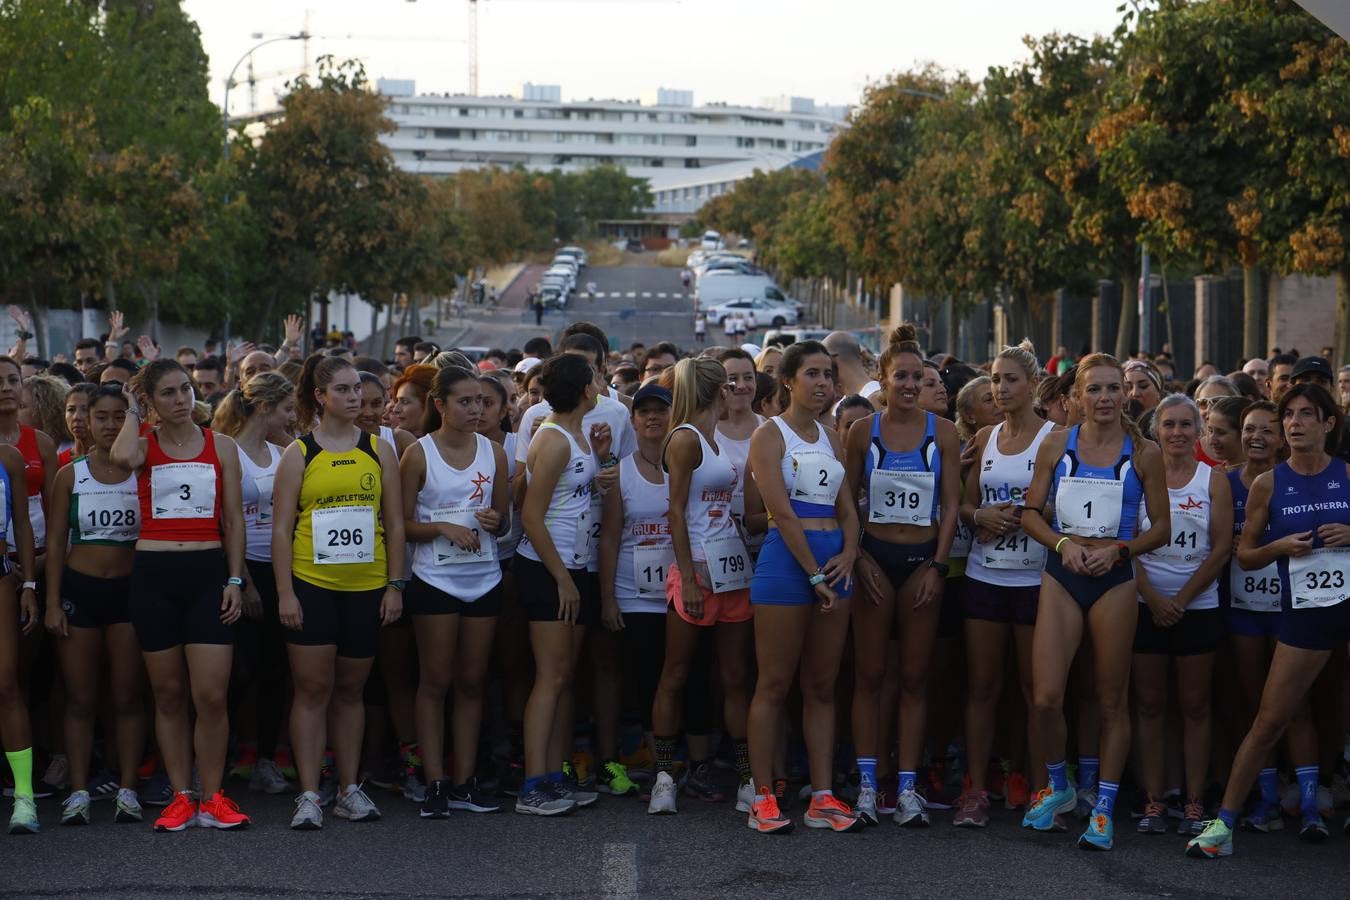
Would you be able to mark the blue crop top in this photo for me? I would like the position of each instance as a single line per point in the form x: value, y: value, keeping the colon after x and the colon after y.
x: 923, y: 458
x: 1091, y: 509
x: 1302, y: 503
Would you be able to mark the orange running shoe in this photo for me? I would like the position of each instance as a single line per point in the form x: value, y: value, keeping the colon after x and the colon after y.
x: 831, y: 812
x: 1016, y: 791
x: 148, y: 766
x: 764, y: 815
x: 221, y: 812
x: 178, y: 815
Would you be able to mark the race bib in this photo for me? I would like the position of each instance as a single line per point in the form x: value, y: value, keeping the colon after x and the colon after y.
x: 818, y: 477
x: 110, y: 516
x: 1319, y: 579
x: 1013, y: 551
x: 1257, y: 591
x: 651, y: 563
x: 344, y: 534
x: 588, y: 536
x: 963, y: 541
x: 1088, y: 507
x: 729, y: 564
x: 447, y: 552
x: 184, y: 490
x: 264, y: 483
x: 901, y: 498
x: 1190, y: 539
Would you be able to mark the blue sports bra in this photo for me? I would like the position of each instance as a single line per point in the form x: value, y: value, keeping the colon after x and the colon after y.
x: 1089, y: 510
x: 923, y: 458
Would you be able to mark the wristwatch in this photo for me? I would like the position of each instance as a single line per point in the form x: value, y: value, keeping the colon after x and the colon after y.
x: 29, y: 586
x: 940, y: 567
x: 1124, y: 552
x: 398, y: 584
x: 234, y: 581
x: 817, y: 578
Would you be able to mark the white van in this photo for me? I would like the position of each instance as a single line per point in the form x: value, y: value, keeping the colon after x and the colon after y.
x: 712, y: 291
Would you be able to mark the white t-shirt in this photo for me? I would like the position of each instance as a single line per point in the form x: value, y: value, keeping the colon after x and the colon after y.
x: 607, y: 410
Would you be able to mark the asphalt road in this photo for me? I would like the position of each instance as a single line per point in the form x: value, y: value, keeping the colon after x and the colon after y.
x: 616, y: 850
x: 636, y: 302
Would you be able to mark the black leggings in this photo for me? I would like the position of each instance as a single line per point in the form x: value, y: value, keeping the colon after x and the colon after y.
x: 260, y: 659
x: 644, y: 653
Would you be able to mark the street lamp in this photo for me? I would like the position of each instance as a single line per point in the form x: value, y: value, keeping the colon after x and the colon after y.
x: 229, y: 83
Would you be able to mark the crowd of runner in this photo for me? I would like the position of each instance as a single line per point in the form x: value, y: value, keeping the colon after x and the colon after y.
x: 783, y: 576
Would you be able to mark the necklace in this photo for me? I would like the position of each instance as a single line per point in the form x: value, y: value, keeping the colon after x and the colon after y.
x: 655, y: 465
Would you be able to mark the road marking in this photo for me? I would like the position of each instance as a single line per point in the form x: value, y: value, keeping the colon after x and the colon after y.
x: 619, y: 874
x: 631, y: 294
x: 661, y: 294
x: 646, y: 293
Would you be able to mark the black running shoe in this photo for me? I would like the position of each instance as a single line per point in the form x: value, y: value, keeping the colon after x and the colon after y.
x: 471, y: 798
x: 435, y: 805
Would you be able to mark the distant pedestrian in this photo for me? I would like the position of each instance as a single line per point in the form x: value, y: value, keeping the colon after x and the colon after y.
x: 538, y: 310
x: 685, y: 277
x: 750, y: 323
x: 492, y: 296
x: 740, y: 328
x: 729, y: 329
x: 700, y: 327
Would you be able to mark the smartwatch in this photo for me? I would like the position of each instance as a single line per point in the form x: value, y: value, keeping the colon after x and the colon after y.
x: 940, y: 567
x: 235, y: 581
x: 398, y: 584
x: 1124, y: 553
x: 29, y: 586
x: 818, y: 578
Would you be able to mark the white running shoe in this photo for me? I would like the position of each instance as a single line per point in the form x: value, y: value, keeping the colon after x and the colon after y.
x: 866, y: 807
x: 910, y: 811
x: 745, y: 797
x: 663, y: 796
x: 267, y: 778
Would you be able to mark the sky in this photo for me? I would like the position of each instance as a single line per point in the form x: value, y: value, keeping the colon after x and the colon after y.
x: 733, y: 51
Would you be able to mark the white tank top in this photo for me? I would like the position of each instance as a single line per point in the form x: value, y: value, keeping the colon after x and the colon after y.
x: 454, y: 495
x: 811, y: 473
x: 1171, y: 565
x: 568, y: 508
x: 739, y: 453
x: 711, y: 489
x: 387, y: 434
x: 255, y: 484
x: 107, y: 514
x: 645, y: 549
x: 1013, y: 560
x: 506, y: 545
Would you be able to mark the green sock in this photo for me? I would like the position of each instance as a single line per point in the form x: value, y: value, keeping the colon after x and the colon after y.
x: 21, y: 764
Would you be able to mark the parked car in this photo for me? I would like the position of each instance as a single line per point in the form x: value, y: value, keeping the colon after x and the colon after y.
x: 775, y: 314
x: 633, y: 245
x: 712, y: 240
x: 553, y: 297
x: 473, y: 353
x: 785, y: 336
x: 577, y: 253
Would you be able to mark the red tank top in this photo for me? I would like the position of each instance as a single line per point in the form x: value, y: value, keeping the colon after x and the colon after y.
x: 32, y: 459
x: 180, y: 498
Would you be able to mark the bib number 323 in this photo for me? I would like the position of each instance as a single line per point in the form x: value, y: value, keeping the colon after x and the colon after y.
x: 1320, y: 578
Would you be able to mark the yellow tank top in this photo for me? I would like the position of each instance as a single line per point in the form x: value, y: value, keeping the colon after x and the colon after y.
x: 339, y: 538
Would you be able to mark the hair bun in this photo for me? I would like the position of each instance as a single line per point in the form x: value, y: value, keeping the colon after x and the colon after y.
x: 904, y: 332
x: 1028, y: 346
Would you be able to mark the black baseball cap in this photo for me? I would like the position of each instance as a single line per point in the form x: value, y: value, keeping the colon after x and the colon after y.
x: 1313, y: 365
x: 651, y: 392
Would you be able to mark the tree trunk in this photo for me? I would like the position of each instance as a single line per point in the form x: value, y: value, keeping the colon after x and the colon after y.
x: 1342, y: 316
x: 1254, y: 300
x: 1127, y: 327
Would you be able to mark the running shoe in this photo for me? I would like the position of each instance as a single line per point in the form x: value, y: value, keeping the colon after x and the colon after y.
x: 832, y: 813
x: 1191, y: 815
x: 219, y: 811
x: 936, y: 794
x: 75, y: 809
x: 437, y: 802
x: 664, y: 796
x: 1313, y: 830
x: 972, y: 810
x: 641, y: 758
x: 1154, y: 820
x: 1016, y: 791
x: 128, y: 807
x: 24, y: 820
x: 512, y: 779
x: 181, y: 813
x: 156, y: 790
x: 285, y: 762
x: 765, y: 816
x: 308, y: 814
x: 58, y: 771
x: 148, y: 767
x: 613, y: 779
x: 583, y: 768
x: 745, y: 797
x: 242, y: 770
x: 267, y: 777
x: 866, y: 807
x: 910, y: 811
x: 469, y: 797
x: 781, y: 793
x: 1087, y: 802
x: 355, y: 806
x: 413, y: 788
x: 1215, y: 841
x: 543, y: 800
x: 569, y: 789
x: 103, y: 786
x: 1041, y: 813
x: 328, y: 790
x: 1100, y: 834
x: 994, y: 777
x: 887, y: 788
x: 1264, y: 818
x: 702, y: 784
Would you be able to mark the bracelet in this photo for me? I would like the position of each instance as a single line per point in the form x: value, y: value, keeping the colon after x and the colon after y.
x: 1060, y: 543
x: 29, y: 586
x: 817, y: 578
x: 234, y: 581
